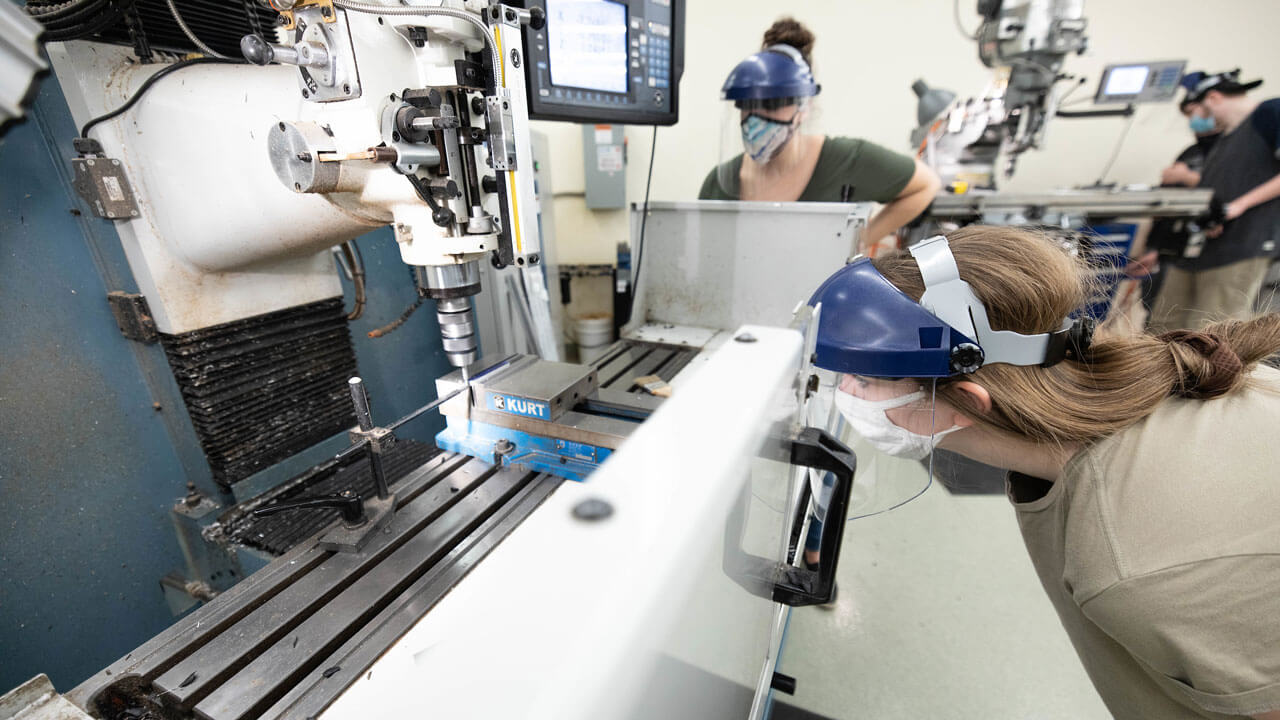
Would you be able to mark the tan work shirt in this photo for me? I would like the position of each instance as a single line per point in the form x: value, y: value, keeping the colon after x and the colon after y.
x: 1160, y: 549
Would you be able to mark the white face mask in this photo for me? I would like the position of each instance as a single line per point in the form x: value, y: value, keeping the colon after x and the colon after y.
x: 868, y: 419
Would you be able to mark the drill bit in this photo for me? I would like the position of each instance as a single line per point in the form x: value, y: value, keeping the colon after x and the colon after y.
x: 466, y: 385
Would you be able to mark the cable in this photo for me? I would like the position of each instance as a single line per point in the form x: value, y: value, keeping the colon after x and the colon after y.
x: 1116, y: 153
x: 146, y: 85
x: 638, y: 252
x: 955, y: 8
x: 182, y: 25
x: 404, y: 316
x: 1080, y: 83
x: 351, y: 252
x: 495, y: 59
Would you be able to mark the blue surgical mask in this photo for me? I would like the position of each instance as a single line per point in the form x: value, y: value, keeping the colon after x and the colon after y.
x: 763, y: 137
x: 1200, y: 125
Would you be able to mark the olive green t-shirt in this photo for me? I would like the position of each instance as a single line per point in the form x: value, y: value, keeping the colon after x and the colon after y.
x: 1160, y: 549
x: 870, y: 171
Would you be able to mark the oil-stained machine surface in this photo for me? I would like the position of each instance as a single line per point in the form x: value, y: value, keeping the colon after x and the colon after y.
x: 285, y: 642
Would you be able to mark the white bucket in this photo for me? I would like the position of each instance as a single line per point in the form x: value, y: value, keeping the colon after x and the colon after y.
x: 593, y: 334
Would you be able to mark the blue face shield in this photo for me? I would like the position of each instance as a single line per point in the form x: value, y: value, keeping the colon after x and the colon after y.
x: 869, y: 327
x: 763, y: 137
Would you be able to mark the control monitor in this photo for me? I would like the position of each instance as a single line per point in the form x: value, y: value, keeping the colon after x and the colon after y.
x: 606, y: 61
x: 1140, y: 82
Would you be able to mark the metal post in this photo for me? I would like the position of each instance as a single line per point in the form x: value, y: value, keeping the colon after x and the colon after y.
x: 364, y: 416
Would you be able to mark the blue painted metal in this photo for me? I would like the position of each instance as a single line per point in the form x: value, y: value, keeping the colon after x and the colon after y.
x: 562, y: 458
x: 769, y: 75
x: 95, y: 442
x: 521, y: 407
x: 1107, y: 247
x: 88, y: 468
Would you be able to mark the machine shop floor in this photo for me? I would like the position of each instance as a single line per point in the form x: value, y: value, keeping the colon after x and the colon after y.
x: 939, y: 614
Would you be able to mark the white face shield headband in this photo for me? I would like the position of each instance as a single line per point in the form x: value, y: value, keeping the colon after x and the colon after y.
x: 953, y: 301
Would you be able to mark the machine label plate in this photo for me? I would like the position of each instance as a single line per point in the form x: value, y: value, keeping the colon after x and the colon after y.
x: 577, y: 451
x: 524, y: 407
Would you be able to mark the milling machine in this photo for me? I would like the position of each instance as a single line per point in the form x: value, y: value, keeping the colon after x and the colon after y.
x: 227, y: 184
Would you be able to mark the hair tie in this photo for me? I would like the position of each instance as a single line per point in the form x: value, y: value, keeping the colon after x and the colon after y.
x: 1225, y: 365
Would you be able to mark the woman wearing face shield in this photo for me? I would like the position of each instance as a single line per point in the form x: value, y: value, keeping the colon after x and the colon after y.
x: 767, y: 155
x: 1142, y: 469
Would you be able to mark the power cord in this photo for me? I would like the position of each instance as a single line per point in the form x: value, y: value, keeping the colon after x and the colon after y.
x: 638, y: 251
x: 955, y: 9
x: 146, y: 85
x: 1116, y: 153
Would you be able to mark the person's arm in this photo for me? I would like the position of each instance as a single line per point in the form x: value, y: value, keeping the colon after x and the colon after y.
x: 1265, y: 192
x: 1268, y: 190
x: 913, y: 199
x: 1179, y: 173
x: 1273, y: 715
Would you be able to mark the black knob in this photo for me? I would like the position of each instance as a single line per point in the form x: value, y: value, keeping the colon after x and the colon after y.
x: 348, y: 503
x: 442, y: 216
x: 537, y: 18
x: 489, y: 184
x: 256, y: 50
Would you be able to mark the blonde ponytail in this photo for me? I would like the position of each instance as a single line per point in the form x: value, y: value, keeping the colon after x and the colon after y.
x: 1029, y: 280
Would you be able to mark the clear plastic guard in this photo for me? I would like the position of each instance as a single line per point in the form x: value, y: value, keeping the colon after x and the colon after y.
x: 883, y: 482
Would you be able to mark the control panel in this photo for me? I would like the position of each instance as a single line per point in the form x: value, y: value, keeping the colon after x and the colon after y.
x: 1140, y: 82
x: 606, y: 61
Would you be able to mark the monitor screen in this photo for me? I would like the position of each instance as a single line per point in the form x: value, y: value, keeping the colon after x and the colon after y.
x: 587, y: 44
x: 1127, y: 80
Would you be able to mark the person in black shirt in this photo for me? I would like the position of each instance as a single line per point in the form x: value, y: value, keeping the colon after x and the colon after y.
x: 1168, y: 236
x: 1221, y: 278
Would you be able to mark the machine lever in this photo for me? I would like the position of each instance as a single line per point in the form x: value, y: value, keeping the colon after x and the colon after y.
x: 348, y: 503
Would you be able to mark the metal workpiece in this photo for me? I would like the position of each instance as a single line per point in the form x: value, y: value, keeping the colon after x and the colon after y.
x: 1157, y: 202
x: 287, y: 641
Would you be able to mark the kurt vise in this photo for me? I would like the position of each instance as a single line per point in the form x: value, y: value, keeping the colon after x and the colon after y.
x: 549, y: 416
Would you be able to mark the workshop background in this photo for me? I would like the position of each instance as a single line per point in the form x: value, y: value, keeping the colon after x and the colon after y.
x: 78, y: 585
x: 866, y: 56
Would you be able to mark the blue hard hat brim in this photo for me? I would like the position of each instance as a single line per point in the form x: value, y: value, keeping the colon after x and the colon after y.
x: 768, y: 75
x: 869, y: 327
x: 771, y: 92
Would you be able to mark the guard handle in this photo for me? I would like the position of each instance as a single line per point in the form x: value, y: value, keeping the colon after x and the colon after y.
x: 820, y: 450
x: 348, y: 503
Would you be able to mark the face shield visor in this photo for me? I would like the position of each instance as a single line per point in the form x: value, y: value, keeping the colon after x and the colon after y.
x: 881, y: 355
x: 891, y: 426
x: 767, y: 98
